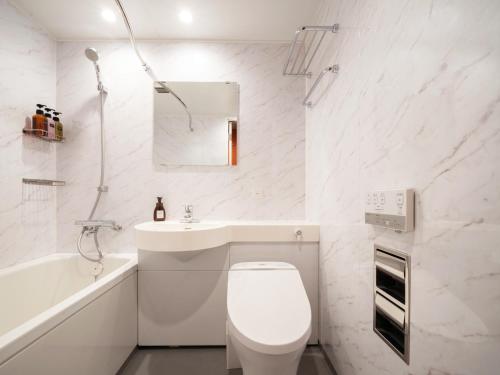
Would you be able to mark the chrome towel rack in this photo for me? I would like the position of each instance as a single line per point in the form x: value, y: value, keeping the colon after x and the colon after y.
x: 302, y: 52
x: 304, y: 47
x: 330, y: 69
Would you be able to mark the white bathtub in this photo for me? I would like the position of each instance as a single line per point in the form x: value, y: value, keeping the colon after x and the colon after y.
x: 56, y: 317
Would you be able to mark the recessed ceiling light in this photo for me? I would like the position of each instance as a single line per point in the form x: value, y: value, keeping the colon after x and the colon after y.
x: 185, y: 16
x: 108, y: 15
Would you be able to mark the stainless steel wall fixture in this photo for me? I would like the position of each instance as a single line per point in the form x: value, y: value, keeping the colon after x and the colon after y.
x: 391, y: 299
x: 303, y: 49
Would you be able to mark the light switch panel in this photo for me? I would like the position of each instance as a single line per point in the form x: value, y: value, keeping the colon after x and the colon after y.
x: 393, y: 209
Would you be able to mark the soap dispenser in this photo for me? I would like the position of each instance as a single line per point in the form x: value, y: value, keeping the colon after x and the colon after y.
x: 159, y: 213
x: 58, y: 126
x: 49, y: 126
x: 37, y: 124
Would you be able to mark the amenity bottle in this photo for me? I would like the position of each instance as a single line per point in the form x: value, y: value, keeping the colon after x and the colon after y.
x: 49, y: 125
x: 58, y: 127
x: 38, y: 119
x: 159, y: 213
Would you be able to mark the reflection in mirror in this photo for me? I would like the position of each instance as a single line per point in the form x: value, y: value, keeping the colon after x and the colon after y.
x: 213, y: 140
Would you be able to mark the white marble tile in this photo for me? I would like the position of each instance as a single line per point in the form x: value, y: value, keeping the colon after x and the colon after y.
x: 268, y: 182
x: 27, y: 77
x: 416, y: 104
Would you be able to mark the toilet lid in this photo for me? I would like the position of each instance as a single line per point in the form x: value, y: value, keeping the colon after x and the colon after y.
x: 268, y: 308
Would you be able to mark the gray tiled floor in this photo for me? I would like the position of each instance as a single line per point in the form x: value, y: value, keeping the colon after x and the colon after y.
x: 206, y: 361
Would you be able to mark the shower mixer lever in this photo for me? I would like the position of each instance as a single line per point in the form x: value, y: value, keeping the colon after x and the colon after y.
x: 91, y: 225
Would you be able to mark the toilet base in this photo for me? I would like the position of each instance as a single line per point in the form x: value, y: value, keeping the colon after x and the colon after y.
x: 256, y: 363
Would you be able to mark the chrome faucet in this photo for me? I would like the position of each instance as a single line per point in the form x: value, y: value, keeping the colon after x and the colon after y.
x: 188, y: 214
x: 94, y: 225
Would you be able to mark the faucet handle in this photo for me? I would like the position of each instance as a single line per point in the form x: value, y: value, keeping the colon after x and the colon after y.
x: 188, y: 215
x: 188, y: 208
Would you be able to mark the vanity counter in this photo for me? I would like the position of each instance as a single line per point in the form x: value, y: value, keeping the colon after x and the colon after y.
x: 273, y: 231
x: 176, y: 236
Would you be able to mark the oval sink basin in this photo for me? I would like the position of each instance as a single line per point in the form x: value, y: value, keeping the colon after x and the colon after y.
x: 174, y: 236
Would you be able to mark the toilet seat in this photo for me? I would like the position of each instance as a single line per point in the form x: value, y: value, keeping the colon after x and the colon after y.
x: 268, y: 308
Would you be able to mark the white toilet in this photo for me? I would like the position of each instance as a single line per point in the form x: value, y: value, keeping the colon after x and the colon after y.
x: 268, y: 318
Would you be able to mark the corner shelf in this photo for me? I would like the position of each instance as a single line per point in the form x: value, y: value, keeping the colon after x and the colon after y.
x: 303, y: 50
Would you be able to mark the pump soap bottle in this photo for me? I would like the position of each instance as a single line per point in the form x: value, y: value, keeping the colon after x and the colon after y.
x: 58, y: 126
x: 49, y: 127
x: 38, y: 120
x: 159, y: 213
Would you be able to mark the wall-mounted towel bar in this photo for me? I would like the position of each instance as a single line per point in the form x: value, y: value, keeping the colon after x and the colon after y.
x: 330, y: 69
x: 37, y: 181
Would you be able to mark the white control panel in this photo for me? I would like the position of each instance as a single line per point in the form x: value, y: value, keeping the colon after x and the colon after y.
x: 393, y: 209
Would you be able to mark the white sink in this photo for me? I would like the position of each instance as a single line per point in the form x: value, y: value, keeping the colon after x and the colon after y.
x: 174, y: 236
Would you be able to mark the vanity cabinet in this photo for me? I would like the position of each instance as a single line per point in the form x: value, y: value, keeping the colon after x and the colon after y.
x: 182, y: 307
x: 182, y: 296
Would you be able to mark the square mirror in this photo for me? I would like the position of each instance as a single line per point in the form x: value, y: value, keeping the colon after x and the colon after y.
x: 210, y: 138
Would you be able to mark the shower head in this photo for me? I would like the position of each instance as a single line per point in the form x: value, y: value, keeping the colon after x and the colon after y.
x: 92, y: 54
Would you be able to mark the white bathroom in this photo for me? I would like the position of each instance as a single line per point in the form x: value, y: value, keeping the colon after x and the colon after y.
x: 250, y: 187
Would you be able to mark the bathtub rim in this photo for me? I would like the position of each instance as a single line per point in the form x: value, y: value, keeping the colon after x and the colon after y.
x: 17, y: 339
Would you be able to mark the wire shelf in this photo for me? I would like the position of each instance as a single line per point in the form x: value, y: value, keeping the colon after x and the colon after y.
x: 38, y: 181
x: 41, y: 134
x: 302, y: 52
x: 304, y: 48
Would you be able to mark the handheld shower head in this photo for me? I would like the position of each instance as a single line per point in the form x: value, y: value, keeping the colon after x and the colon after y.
x: 92, y: 54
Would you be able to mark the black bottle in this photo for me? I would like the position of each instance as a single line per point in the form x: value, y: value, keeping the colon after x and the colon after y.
x: 159, y: 213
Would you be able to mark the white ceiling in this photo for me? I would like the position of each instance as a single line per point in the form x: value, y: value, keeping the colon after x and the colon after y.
x: 255, y: 20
